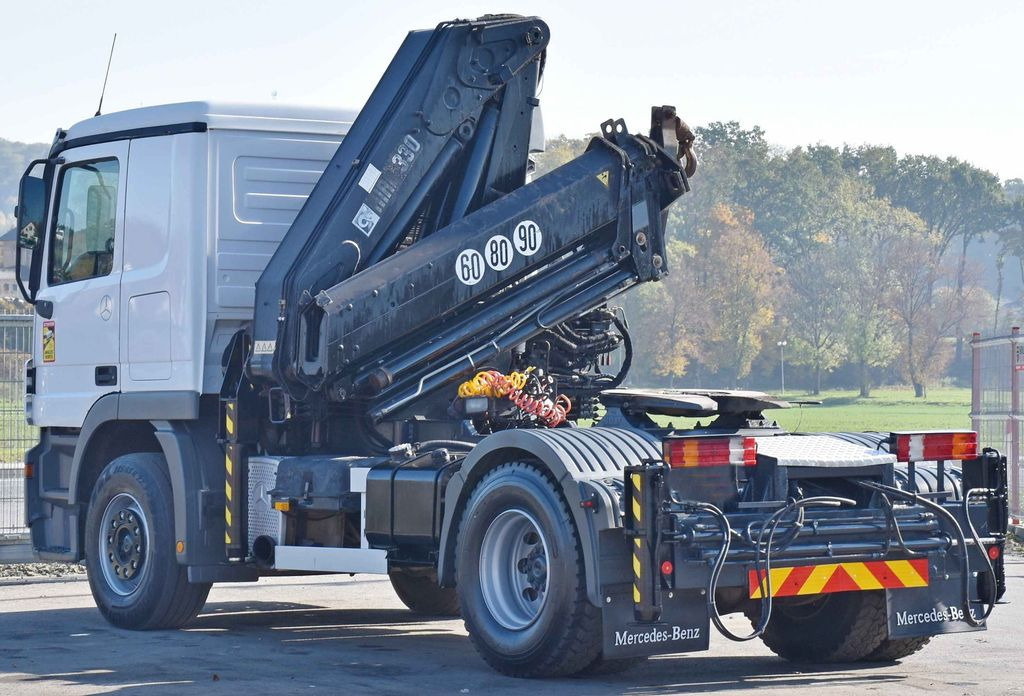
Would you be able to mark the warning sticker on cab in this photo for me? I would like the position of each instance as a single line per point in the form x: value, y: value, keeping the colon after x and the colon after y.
x: 49, y: 341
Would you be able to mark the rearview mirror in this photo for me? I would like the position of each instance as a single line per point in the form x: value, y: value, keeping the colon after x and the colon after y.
x: 31, y: 206
x: 31, y: 215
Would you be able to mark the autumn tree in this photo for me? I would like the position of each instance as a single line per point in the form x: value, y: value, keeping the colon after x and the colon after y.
x: 733, y: 167
x: 666, y: 315
x: 956, y: 200
x: 928, y: 308
x: 736, y: 282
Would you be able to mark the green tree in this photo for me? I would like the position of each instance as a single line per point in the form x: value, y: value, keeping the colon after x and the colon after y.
x: 869, y: 240
x: 815, y: 309
x: 558, y: 151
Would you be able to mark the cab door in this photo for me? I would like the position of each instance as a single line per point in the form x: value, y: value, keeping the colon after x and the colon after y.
x: 77, y: 321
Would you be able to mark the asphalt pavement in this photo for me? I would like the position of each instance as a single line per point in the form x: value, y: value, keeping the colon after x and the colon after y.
x: 351, y: 635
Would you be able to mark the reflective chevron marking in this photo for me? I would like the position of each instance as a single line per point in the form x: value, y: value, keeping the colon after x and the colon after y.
x: 843, y: 577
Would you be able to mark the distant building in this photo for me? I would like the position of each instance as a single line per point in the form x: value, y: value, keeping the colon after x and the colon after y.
x: 8, y: 284
x: 7, y: 243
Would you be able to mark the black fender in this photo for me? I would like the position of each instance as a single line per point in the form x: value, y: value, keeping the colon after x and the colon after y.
x: 133, y: 406
x: 586, y: 463
x: 185, y: 429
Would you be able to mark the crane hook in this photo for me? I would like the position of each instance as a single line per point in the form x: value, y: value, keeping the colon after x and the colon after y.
x: 672, y: 133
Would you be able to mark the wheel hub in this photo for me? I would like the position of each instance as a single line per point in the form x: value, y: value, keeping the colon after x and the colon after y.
x: 124, y: 544
x: 514, y: 569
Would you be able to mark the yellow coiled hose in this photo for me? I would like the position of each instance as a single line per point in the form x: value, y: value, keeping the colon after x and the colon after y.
x: 485, y: 384
x: 494, y: 384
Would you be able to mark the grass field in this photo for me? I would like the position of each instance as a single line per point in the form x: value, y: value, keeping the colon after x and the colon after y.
x: 885, y: 409
x: 888, y: 408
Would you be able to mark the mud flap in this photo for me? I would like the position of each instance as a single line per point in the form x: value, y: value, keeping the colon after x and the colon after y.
x: 932, y: 610
x: 682, y: 627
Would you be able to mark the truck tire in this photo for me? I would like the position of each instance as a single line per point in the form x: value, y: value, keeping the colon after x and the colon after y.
x: 420, y: 592
x: 602, y: 666
x: 840, y: 627
x: 129, y: 548
x: 893, y: 649
x: 520, y: 574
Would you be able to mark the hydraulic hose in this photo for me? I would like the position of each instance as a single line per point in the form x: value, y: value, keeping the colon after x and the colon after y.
x: 977, y: 541
x: 460, y: 445
x: 764, y: 578
x: 958, y: 530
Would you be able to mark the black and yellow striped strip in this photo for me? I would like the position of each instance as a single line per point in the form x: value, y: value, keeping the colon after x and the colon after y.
x: 234, y: 496
x: 638, y: 542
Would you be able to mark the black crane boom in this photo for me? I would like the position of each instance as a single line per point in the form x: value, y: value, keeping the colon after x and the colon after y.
x: 423, y: 253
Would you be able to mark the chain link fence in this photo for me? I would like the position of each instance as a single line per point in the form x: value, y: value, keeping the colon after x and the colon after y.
x: 997, y: 412
x: 16, y: 435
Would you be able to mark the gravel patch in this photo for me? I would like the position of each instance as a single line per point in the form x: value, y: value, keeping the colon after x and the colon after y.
x: 41, y: 570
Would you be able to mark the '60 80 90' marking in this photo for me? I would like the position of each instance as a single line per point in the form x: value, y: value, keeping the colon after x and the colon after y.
x: 499, y: 252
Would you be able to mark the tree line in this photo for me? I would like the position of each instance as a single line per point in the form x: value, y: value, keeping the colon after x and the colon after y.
x: 858, y: 259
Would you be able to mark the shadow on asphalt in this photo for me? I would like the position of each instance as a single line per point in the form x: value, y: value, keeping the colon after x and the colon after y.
x: 285, y: 646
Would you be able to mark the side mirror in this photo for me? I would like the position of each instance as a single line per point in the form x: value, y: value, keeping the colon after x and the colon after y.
x: 31, y: 215
x: 31, y: 206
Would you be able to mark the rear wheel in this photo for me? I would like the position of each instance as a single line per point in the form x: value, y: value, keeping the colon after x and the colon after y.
x: 418, y: 590
x: 893, y: 649
x: 602, y: 666
x: 840, y: 627
x: 521, y: 580
x: 129, y: 548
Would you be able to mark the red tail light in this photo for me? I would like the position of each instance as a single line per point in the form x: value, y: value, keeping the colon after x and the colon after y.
x: 925, y: 447
x: 687, y: 452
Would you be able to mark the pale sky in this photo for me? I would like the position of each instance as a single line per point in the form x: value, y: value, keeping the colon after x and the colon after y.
x: 934, y: 77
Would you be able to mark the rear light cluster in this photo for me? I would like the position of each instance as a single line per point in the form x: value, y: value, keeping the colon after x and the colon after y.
x: 926, y: 447
x: 689, y: 452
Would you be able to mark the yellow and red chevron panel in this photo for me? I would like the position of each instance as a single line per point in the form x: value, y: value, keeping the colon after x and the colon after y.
x: 843, y: 577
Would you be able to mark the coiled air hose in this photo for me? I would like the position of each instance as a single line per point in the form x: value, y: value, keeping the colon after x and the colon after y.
x: 551, y: 412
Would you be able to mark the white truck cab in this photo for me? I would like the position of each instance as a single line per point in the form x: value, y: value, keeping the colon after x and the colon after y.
x: 160, y: 220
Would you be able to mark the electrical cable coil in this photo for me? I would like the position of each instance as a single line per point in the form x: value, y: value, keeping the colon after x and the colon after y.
x: 512, y: 387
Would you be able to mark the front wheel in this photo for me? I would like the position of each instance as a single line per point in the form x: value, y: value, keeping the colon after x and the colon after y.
x: 521, y: 581
x: 129, y: 548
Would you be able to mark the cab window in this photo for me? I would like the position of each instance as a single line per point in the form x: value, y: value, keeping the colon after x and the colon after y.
x: 82, y: 245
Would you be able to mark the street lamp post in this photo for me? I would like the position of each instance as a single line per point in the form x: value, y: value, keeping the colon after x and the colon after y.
x: 782, y: 364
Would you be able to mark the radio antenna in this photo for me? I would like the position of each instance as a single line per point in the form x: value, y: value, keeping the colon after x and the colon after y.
x: 99, y: 108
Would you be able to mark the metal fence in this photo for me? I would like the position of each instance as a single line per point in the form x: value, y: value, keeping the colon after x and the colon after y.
x: 16, y: 435
x: 997, y: 412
